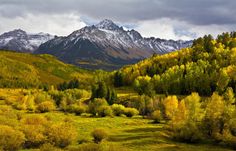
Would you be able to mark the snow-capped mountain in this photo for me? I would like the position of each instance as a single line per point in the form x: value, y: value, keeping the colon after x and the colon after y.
x: 21, y: 41
x: 107, y: 46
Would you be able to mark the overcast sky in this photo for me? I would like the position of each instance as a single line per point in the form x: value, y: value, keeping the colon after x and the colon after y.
x: 170, y: 19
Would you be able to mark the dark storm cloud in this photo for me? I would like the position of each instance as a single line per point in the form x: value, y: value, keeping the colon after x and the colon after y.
x: 198, y: 12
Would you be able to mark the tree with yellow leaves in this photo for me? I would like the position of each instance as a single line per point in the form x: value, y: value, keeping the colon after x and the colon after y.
x: 170, y: 106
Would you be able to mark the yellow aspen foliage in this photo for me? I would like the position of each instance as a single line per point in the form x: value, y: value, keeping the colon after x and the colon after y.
x: 214, y: 115
x: 171, y: 106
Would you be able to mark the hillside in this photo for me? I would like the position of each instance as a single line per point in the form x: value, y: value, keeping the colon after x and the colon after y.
x: 208, y: 66
x: 27, y: 70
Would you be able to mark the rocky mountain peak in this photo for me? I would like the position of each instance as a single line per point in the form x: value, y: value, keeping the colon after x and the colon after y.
x: 18, y: 33
x: 107, y: 24
x: 134, y: 35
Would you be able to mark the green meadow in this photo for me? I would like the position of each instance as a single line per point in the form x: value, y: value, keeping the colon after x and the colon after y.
x: 131, y: 134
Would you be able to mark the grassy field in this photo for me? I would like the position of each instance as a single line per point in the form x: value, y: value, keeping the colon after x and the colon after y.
x: 131, y: 134
x: 124, y: 92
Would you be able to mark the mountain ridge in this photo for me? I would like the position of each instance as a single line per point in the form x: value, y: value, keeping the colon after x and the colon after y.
x: 22, y: 41
x: 107, y: 46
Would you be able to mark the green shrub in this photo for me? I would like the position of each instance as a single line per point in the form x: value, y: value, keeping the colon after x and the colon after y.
x: 20, y: 104
x: 66, y: 101
x: 129, y: 112
x: 41, y: 97
x: 188, y: 132
x: 46, y: 106
x: 95, y: 104
x: 145, y: 105
x: 10, y: 139
x: 34, y: 120
x: 77, y: 109
x: 34, y: 135
x: 99, y: 135
x: 77, y: 93
x: 61, y: 134
x: 57, y: 96
x: 33, y: 127
x: 156, y: 116
x: 104, y: 111
x: 118, y: 109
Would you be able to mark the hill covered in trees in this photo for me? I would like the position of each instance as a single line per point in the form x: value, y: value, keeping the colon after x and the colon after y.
x: 208, y: 66
x: 26, y: 70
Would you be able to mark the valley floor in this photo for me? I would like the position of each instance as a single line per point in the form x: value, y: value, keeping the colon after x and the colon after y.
x: 131, y: 134
x: 124, y: 134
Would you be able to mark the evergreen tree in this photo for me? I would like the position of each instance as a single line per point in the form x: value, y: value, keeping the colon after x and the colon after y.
x: 101, y: 90
x: 118, y: 79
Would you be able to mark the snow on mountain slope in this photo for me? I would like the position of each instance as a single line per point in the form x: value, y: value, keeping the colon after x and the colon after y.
x: 19, y: 40
x: 107, y: 44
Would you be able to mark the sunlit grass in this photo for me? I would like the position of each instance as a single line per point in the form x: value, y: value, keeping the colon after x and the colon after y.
x: 132, y: 134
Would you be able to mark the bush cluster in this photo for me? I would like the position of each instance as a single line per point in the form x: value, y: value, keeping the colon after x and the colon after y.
x: 33, y: 131
x: 10, y: 138
x: 99, y: 135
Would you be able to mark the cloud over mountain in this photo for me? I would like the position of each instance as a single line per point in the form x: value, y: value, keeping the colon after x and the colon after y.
x: 185, y: 18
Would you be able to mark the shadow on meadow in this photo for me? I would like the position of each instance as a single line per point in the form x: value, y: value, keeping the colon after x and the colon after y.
x: 143, y: 130
x: 154, y: 138
x: 140, y: 136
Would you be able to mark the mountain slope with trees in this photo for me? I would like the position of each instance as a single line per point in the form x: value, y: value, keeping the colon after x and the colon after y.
x: 208, y: 66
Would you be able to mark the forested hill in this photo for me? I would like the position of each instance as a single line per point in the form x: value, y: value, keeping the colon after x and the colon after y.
x: 208, y: 66
x: 27, y: 70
